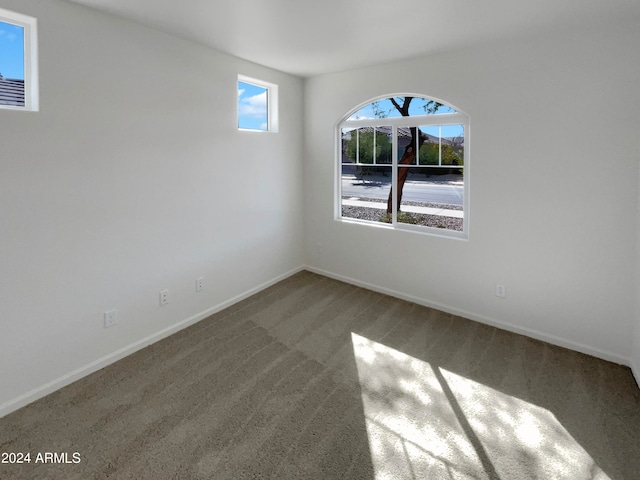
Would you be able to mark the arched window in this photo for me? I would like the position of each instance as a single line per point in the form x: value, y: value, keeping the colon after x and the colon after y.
x: 404, y: 161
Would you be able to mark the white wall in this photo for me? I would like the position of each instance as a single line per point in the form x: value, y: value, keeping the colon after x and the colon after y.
x: 635, y: 356
x: 554, y: 179
x: 635, y: 353
x: 131, y: 179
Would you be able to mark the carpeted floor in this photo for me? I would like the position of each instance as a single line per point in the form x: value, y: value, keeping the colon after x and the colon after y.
x: 314, y: 378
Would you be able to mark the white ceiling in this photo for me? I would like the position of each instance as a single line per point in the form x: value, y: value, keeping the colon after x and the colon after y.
x: 311, y: 37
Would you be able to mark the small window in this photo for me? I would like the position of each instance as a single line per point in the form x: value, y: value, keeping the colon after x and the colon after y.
x: 18, y: 62
x: 257, y: 105
x: 403, y: 161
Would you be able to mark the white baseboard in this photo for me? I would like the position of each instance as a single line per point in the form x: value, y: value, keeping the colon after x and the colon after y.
x: 552, y: 339
x: 60, y: 382
x: 56, y: 384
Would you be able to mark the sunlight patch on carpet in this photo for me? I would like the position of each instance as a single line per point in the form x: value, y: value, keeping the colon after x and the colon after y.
x: 426, y: 422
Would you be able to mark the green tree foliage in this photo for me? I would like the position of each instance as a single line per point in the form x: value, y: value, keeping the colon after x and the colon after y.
x: 451, y: 155
x: 382, y: 147
x: 428, y: 154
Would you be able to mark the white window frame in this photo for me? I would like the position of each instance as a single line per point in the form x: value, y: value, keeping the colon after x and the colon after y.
x: 272, y: 104
x: 443, y: 119
x: 31, y: 87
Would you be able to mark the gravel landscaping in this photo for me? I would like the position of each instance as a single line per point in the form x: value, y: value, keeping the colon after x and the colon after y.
x: 376, y: 215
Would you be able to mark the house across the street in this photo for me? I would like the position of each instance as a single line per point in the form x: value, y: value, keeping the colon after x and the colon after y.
x: 11, y: 91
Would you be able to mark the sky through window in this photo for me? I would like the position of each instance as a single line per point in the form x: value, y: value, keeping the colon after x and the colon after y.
x: 252, y: 107
x: 11, y: 51
x: 383, y: 108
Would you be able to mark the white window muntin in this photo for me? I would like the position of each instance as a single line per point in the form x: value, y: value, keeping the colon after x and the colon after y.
x: 30, y: 26
x: 413, y: 121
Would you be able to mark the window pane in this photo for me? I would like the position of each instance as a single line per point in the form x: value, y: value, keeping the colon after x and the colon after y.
x: 366, y: 158
x: 407, y: 141
x: 383, y: 145
x: 365, y: 191
x: 442, y: 145
x: 432, y: 199
x: 431, y: 192
x: 252, y: 107
x: 429, y: 152
x: 453, y: 145
x: 390, y: 108
x: 11, y: 64
x: 367, y: 145
x: 362, y: 145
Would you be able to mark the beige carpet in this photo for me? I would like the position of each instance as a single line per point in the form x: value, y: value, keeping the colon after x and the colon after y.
x: 313, y: 378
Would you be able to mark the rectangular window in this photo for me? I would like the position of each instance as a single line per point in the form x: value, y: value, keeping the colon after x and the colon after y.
x: 18, y: 61
x: 257, y: 105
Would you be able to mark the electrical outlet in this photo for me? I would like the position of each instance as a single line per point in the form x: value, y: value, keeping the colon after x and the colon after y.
x: 199, y: 284
x: 164, y: 297
x: 110, y: 318
x: 501, y: 290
